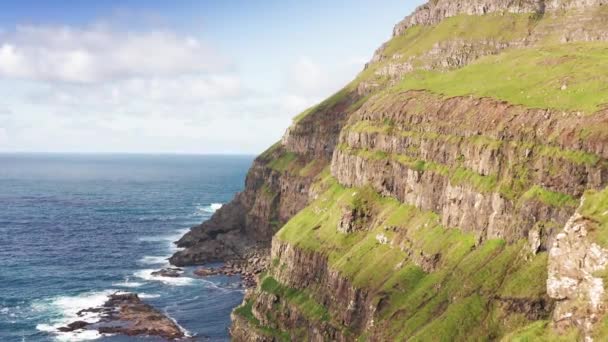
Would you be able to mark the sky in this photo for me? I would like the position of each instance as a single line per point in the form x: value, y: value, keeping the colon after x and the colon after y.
x: 158, y: 76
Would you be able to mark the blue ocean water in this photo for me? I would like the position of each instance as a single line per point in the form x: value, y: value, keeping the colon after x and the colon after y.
x: 74, y: 228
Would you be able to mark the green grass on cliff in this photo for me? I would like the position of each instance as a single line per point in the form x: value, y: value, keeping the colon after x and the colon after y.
x: 246, y: 311
x: 456, y: 301
x: 541, y: 331
x: 515, y: 187
x: 566, y: 76
x: 420, y: 39
x: 307, y: 306
x: 282, y: 163
x: 577, y: 157
x: 595, y: 208
x: 552, y: 198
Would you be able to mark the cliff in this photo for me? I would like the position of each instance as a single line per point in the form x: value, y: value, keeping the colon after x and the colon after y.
x: 455, y: 190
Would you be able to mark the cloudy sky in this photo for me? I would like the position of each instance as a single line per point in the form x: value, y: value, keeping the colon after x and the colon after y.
x: 160, y: 76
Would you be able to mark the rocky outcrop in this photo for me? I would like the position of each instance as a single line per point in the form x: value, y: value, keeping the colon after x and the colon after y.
x: 435, y: 11
x: 246, y: 224
x: 459, y: 156
x: 574, y: 262
x: 126, y: 314
x: 170, y: 272
x: 353, y: 219
x: 249, y: 268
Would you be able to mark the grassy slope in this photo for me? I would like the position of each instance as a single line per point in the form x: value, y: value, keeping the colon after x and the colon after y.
x: 532, y: 77
x: 451, y: 302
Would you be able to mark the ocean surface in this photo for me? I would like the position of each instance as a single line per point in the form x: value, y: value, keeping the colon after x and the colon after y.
x: 74, y: 228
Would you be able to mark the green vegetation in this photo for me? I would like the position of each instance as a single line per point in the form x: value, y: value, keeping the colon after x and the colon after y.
x: 566, y: 76
x: 552, y: 198
x: 576, y: 157
x: 515, y: 188
x: 282, y: 163
x: 524, y: 283
x: 595, y: 208
x: 601, y: 329
x: 540, y: 331
x: 442, y: 305
x: 420, y: 39
x: 482, y: 183
x: 311, y: 168
x: 245, y: 311
x: 306, y: 305
x: 551, y: 152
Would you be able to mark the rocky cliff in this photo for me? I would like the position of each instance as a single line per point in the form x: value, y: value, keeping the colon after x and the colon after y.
x: 455, y: 190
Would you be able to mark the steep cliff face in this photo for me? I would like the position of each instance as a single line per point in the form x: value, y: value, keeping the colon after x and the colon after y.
x: 276, y: 188
x: 453, y: 191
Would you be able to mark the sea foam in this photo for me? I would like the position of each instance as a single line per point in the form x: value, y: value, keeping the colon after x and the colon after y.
x: 64, y: 310
x: 207, y: 209
x: 178, y: 281
x: 153, y: 260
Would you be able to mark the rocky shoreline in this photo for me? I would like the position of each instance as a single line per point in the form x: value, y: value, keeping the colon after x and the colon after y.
x: 126, y: 314
x: 249, y: 269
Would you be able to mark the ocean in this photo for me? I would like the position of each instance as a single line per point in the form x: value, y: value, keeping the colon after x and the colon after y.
x: 74, y: 228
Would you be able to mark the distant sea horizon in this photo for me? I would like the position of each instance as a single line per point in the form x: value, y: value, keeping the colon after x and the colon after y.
x: 77, y: 226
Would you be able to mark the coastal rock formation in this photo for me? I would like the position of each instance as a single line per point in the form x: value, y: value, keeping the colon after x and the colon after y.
x: 249, y: 268
x: 126, y: 314
x: 438, y: 195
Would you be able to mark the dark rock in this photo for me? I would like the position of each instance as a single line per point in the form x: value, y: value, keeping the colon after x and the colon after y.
x: 73, y: 326
x: 168, y: 272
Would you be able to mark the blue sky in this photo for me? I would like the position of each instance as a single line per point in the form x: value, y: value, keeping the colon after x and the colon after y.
x: 179, y: 76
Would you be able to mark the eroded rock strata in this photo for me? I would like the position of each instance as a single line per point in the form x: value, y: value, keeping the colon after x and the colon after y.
x: 455, y: 190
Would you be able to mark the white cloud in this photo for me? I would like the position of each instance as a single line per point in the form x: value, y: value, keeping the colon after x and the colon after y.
x: 99, y: 54
x: 175, y: 91
x: 98, y: 89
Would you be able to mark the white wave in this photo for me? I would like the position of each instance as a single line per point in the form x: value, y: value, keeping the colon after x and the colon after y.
x: 205, y: 210
x: 64, y: 310
x: 172, y: 237
x: 144, y: 295
x: 128, y: 283
x: 73, y: 336
x: 178, y: 281
x: 214, y: 206
x: 184, y: 331
x: 157, y: 218
x: 153, y: 260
